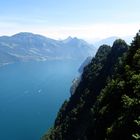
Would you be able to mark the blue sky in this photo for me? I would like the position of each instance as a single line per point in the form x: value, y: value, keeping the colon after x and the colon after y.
x: 88, y: 19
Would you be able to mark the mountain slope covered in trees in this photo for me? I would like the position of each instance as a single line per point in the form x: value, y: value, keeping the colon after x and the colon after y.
x: 106, y: 103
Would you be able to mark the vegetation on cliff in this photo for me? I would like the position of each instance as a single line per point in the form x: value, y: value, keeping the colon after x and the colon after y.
x: 106, y: 103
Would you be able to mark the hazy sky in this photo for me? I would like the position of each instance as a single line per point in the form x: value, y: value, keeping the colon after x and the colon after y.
x: 87, y: 19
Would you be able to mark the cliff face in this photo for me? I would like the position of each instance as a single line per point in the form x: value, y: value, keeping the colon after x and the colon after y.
x: 106, y: 103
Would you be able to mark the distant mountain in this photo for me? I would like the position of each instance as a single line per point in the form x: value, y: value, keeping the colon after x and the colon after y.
x: 33, y: 47
x: 109, y: 41
x: 128, y: 39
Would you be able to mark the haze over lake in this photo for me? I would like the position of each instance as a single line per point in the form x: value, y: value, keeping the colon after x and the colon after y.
x: 31, y: 94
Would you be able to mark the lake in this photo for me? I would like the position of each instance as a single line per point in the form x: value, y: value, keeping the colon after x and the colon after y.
x: 31, y: 94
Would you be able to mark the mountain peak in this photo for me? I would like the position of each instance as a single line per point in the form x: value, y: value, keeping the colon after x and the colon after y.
x: 68, y: 39
x: 23, y: 34
x: 28, y: 35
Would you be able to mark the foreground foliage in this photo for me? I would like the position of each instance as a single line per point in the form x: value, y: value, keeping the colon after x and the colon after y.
x: 106, y: 103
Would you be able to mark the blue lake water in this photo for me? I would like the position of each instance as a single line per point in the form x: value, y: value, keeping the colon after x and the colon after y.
x: 30, y: 96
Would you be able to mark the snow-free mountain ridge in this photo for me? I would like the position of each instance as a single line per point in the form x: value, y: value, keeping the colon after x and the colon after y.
x: 33, y: 47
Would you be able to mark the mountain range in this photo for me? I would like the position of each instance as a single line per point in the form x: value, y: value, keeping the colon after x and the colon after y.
x: 32, y: 47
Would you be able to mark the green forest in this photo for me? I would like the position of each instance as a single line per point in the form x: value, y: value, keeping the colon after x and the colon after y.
x: 106, y: 102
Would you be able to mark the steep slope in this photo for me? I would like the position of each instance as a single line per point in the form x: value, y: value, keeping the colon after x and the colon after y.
x: 116, y: 112
x: 84, y: 64
x: 28, y: 46
x: 77, y: 117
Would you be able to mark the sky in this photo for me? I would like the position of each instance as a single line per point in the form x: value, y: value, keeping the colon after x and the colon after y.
x: 58, y: 19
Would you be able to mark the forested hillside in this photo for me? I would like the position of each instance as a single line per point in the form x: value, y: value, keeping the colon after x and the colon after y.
x: 106, y: 103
